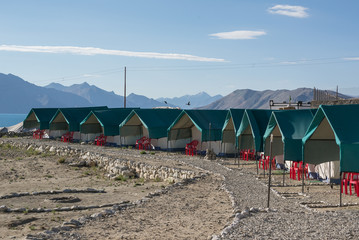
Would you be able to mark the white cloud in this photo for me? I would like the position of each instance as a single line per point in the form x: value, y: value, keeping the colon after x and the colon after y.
x: 99, y: 51
x: 288, y: 63
x: 239, y: 35
x: 288, y: 10
x: 352, y: 59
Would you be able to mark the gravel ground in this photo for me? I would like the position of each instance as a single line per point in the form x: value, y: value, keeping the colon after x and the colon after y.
x: 287, y: 219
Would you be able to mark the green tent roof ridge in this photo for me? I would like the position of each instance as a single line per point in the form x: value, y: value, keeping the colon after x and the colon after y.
x: 343, y: 121
x: 109, y: 119
x: 292, y: 125
x: 202, y: 119
x: 43, y: 118
x: 74, y: 116
x: 236, y: 116
x: 257, y: 119
x: 155, y: 120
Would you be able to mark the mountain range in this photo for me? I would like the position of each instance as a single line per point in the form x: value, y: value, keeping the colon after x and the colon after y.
x: 19, y: 96
x: 191, y: 101
x: 251, y: 99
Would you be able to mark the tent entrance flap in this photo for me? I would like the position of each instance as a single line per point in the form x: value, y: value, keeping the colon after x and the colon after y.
x: 31, y: 121
x: 229, y: 136
x: 91, y: 128
x: 128, y: 130
x: 277, y: 146
x: 246, y: 141
x: 59, y: 126
x: 31, y: 124
x: 59, y: 123
x: 320, y: 151
x: 180, y: 133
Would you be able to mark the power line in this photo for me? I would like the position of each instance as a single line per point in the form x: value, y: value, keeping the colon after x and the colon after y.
x: 209, y: 67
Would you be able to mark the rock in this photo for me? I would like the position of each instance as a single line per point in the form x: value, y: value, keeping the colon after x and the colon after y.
x: 107, y: 212
x: 210, y: 155
x: 97, y: 215
x: 3, y: 208
x: 77, y: 223
x: 67, y: 190
x: 40, y: 149
x: 83, y: 220
x: 52, y: 149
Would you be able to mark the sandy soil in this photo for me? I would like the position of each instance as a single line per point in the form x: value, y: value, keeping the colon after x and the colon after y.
x: 194, y: 211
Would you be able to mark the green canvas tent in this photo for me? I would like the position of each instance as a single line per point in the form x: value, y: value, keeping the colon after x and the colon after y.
x: 252, y: 128
x: 333, y: 136
x: 104, y: 122
x: 39, y: 118
x: 201, y: 125
x: 152, y: 123
x: 69, y: 119
x: 288, y: 128
x: 230, y: 128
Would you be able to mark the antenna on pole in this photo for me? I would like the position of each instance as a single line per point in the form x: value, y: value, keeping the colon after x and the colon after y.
x: 124, y: 95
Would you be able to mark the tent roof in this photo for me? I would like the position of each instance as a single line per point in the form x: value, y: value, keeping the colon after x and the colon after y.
x: 292, y: 125
x: 43, y: 116
x: 74, y: 116
x: 202, y: 118
x: 257, y: 119
x: 236, y: 116
x: 109, y: 119
x: 343, y: 120
x: 155, y: 120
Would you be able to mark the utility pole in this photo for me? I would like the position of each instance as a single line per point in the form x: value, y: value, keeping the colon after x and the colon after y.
x: 124, y: 95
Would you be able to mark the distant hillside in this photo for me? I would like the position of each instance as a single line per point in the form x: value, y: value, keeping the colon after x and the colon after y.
x: 91, y: 93
x: 197, y: 100
x: 134, y: 100
x: 19, y: 96
x: 100, y: 97
x: 250, y: 99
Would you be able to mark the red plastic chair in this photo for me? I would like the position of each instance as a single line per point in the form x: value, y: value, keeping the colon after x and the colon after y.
x: 354, y: 180
x: 67, y: 137
x: 250, y: 154
x: 146, y: 143
x: 100, y: 140
x: 241, y: 154
x: 300, y: 170
x: 245, y: 155
x: 139, y: 142
x: 271, y: 163
x: 262, y: 162
x: 35, y: 134
x: 293, y: 170
x: 38, y: 134
x: 345, y: 181
x: 191, y: 147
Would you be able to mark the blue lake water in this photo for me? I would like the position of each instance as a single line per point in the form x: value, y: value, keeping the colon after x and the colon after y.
x: 8, y: 119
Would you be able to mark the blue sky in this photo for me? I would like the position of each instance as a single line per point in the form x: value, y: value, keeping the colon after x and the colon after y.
x: 173, y: 48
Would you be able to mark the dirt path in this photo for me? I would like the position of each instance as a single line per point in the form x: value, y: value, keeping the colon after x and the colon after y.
x: 194, y: 211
